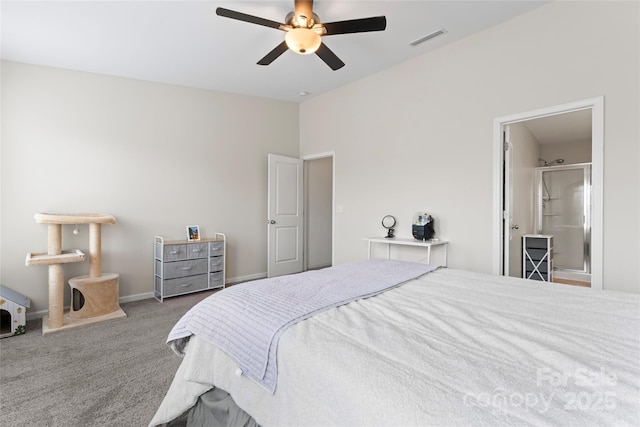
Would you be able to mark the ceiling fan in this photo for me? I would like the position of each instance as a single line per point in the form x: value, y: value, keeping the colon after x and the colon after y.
x: 304, y: 29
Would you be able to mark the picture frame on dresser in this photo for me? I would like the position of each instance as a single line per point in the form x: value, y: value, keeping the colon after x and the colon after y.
x: 193, y: 233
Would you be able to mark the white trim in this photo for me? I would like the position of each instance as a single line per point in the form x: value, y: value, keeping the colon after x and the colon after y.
x: 319, y: 155
x: 507, y: 216
x: 36, y: 315
x: 597, y: 193
x: 326, y: 154
x: 246, y: 278
x: 597, y: 159
x: 130, y: 298
x: 137, y: 297
x: 498, y: 189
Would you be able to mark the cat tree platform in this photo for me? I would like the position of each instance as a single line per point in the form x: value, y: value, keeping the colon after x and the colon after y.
x: 94, y: 298
x: 45, y: 259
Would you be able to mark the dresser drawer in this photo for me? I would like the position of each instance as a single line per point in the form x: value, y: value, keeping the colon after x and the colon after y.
x: 537, y: 254
x: 185, y: 284
x: 216, y: 280
x: 541, y: 267
x: 197, y: 250
x: 216, y: 248
x: 184, y: 268
x: 174, y: 252
x: 216, y: 263
x: 539, y: 243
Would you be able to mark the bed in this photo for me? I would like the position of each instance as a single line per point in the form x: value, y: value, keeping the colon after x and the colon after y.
x: 447, y: 347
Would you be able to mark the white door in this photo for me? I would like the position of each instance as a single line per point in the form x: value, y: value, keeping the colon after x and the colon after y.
x: 285, y: 210
x: 507, y: 217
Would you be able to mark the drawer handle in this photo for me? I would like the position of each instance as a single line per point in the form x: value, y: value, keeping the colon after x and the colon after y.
x: 185, y: 285
x: 187, y: 268
x: 173, y: 252
x: 197, y: 250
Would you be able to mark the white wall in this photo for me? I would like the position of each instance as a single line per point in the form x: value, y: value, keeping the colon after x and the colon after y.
x: 418, y: 136
x: 571, y: 152
x: 157, y: 157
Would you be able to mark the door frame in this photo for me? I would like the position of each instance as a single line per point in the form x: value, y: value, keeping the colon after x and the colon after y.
x: 597, y: 159
x: 332, y: 155
x: 507, y: 208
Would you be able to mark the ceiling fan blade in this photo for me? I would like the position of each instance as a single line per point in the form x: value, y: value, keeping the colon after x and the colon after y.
x: 329, y: 57
x: 249, y: 18
x: 274, y: 54
x: 378, y: 23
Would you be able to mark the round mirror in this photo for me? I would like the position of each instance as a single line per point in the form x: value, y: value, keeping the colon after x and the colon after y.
x: 389, y: 222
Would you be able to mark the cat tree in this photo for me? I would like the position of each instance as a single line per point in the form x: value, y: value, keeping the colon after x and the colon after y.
x: 94, y: 298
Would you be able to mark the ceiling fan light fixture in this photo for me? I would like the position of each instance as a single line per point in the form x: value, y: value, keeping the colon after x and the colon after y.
x: 304, y: 29
x: 302, y: 40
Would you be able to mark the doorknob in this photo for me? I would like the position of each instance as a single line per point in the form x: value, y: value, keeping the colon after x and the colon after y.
x: 271, y: 221
x: 514, y: 227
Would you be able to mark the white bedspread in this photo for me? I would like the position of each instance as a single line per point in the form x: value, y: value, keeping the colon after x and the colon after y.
x: 247, y: 320
x: 449, y: 348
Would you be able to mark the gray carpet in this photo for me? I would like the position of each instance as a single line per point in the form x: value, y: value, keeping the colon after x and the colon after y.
x: 113, y: 373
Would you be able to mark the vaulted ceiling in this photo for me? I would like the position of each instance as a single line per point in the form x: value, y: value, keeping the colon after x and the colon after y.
x: 186, y: 43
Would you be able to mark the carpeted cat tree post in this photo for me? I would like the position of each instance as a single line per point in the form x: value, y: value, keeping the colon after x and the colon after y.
x: 94, y: 298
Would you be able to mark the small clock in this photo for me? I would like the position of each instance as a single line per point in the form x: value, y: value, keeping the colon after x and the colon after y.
x: 389, y: 222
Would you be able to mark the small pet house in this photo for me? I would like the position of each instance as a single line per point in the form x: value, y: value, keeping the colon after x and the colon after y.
x: 13, y: 316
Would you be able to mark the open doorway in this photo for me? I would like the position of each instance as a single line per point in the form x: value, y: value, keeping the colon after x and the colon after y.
x: 300, y: 226
x: 318, y: 207
x: 551, y: 191
x: 531, y: 149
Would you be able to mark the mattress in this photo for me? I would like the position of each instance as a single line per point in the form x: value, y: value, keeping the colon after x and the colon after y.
x: 448, y: 348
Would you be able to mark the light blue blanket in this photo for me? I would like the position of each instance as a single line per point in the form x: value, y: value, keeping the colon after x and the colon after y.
x: 247, y: 320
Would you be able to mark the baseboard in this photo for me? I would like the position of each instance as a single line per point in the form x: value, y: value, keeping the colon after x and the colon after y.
x: 319, y: 267
x: 130, y: 298
x: 246, y: 278
x: 37, y: 314
x: 138, y: 297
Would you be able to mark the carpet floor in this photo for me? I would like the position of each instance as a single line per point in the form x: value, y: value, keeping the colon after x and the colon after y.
x: 113, y: 373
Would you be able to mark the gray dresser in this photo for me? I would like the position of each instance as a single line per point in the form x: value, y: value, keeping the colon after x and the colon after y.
x: 182, y: 267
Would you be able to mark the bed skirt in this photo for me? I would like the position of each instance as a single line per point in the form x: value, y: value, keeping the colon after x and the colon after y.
x: 214, y: 408
x: 217, y: 408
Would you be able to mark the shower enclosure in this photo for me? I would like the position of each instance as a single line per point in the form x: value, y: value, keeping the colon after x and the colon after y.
x: 563, y: 210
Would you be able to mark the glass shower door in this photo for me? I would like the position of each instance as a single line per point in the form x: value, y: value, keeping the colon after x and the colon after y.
x: 564, y: 207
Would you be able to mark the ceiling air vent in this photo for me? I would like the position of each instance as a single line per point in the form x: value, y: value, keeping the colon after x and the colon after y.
x: 428, y: 37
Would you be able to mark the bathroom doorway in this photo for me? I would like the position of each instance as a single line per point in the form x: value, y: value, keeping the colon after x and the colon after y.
x: 559, y: 137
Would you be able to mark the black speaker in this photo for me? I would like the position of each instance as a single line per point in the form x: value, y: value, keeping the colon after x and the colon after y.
x: 423, y: 232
